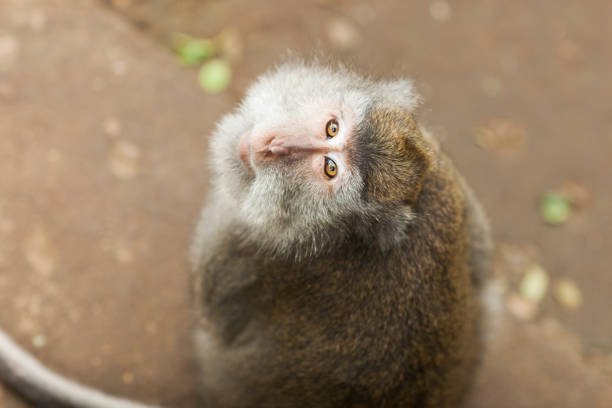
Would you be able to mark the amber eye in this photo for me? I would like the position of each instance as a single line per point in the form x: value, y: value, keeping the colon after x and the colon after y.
x: 332, y: 128
x: 330, y: 168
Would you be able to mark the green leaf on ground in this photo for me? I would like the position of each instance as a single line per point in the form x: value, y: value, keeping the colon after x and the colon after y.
x: 215, y: 76
x: 195, y: 50
x: 555, y: 208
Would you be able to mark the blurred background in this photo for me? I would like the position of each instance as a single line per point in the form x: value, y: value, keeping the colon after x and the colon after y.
x: 105, y: 111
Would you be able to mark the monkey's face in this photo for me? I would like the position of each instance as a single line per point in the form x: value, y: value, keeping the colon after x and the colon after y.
x: 307, y: 155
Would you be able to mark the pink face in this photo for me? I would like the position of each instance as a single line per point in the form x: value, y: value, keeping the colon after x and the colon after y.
x: 317, y: 147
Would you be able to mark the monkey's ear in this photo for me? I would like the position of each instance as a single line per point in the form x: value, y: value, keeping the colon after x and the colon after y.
x: 400, y: 93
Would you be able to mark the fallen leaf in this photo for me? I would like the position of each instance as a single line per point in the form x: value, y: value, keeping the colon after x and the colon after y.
x: 231, y: 44
x: 112, y: 127
x: 215, y: 76
x: 96, y: 362
x: 501, y: 136
x: 512, y: 260
x: 195, y: 50
x: 567, y: 293
x: 128, y: 378
x: 123, y: 254
x: 521, y: 308
x: 54, y: 155
x: 37, y: 20
x: 124, y: 159
x: 534, y: 284
x: 119, y: 67
x: 440, y: 11
x: 343, y: 34
x: 40, y: 252
x: 9, y: 50
x: 491, y: 85
x: 555, y: 208
x: 39, y: 341
x: 578, y: 194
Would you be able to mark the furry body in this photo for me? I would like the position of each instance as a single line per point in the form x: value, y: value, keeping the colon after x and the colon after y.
x: 359, y: 328
x: 373, y: 300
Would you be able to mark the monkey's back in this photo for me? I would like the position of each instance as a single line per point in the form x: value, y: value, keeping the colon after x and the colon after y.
x: 359, y: 326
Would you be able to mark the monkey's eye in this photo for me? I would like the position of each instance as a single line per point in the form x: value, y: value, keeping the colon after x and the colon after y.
x: 330, y: 168
x: 332, y: 128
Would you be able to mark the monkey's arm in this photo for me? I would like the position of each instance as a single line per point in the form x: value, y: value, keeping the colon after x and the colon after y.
x: 45, y: 388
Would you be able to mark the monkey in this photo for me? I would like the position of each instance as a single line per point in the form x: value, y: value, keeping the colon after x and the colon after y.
x: 340, y: 259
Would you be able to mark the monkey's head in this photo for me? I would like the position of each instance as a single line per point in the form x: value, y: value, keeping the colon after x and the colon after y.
x: 314, y: 156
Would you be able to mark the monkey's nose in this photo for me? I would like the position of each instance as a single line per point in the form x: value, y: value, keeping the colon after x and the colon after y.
x: 270, y: 148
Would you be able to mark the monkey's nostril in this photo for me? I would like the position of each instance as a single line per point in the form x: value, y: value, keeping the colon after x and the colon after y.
x: 277, y: 149
x: 268, y: 148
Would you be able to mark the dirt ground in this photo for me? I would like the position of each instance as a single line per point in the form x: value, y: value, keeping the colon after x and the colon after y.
x: 103, y: 137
